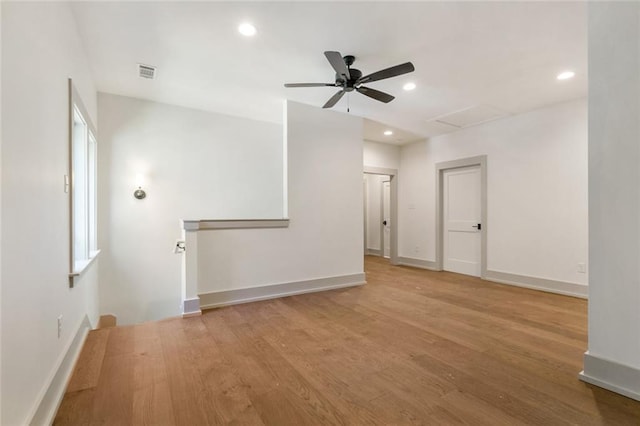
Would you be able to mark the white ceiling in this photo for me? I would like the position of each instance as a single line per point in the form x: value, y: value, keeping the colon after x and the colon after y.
x: 498, y: 55
x: 374, y: 131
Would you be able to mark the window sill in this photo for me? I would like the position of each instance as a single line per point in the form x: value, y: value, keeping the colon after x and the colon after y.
x: 81, y: 266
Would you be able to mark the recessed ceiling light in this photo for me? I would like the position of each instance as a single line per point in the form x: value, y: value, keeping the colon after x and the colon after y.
x: 409, y: 86
x: 388, y: 132
x: 246, y: 29
x: 565, y: 75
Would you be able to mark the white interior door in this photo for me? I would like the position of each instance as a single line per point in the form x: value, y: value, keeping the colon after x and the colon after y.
x: 386, y: 218
x: 461, y: 220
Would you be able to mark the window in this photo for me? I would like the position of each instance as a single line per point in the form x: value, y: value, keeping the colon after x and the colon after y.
x: 83, y: 185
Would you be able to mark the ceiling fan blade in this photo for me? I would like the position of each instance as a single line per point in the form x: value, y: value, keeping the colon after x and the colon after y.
x: 336, y: 61
x: 309, y: 84
x: 376, y: 94
x: 387, y: 73
x: 334, y: 99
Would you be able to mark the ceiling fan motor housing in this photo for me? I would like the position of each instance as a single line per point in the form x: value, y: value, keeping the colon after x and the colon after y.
x: 355, y: 74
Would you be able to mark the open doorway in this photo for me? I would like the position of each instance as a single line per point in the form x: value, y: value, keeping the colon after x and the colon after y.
x: 380, y: 213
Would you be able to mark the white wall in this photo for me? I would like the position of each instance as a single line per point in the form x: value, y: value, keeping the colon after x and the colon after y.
x: 537, y: 191
x: 614, y: 199
x: 197, y: 165
x: 325, y: 235
x: 40, y: 50
x: 378, y: 154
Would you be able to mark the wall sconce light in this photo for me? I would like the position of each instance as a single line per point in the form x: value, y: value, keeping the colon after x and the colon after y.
x: 139, y: 193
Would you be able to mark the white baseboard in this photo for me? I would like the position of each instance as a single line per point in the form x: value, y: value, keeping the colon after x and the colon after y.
x: 610, y: 375
x: 534, y: 283
x: 417, y: 263
x: 254, y: 294
x: 51, y: 395
x: 374, y: 252
x: 191, y: 307
x: 543, y: 284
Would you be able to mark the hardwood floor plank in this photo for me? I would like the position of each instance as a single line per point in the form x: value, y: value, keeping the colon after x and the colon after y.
x: 76, y: 408
x: 473, y: 411
x: 285, y: 376
x: 499, y: 397
x: 283, y: 407
x: 227, y: 395
x: 188, y: 397
x: 328, y: 379
x: 508, y: 380
x: 113, y: 399
x: 152, y: 394
x: 410, y: 347
x: 89, y: 364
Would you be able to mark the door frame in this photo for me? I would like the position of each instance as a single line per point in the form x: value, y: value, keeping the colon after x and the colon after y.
x: 481, y: 161
x: 382, y: 203
x: 393, y: 216
x: 365, y: 220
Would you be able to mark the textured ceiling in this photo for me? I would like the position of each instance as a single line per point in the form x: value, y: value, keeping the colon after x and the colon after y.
x: 496, y: 54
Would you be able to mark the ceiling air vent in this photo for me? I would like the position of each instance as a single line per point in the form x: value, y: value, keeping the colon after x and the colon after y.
x: 147, y: 71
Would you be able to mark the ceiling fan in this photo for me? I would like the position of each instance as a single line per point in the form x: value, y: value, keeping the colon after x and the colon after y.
x: 350, y: 79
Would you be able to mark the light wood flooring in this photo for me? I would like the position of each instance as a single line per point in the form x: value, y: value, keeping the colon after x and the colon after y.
x: 410, y: 347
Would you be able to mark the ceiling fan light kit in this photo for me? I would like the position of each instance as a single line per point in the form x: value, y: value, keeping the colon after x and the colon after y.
x: 349, y: 79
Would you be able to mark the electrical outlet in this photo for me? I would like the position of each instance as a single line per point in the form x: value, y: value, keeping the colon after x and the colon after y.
x: 417, y: 249
x: 59, y: 326
x: 582, y: 268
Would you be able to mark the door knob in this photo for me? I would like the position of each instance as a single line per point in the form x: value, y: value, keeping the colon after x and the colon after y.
x: 384, y: 222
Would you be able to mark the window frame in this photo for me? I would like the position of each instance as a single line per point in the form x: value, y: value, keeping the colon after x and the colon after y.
x: 81, y: 238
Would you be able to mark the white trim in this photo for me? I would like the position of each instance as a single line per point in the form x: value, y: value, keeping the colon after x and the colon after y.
x: 254, y: 294
x: 51, y: 395
x: 285, y: 158
x: 619, y: 378
x: 393, y: 232
x: 365, y: 212
x: 374, y: 252
x: 191, y: 307
x: 371, y: 170
x: 418, y: 263
x: 382, y: 218
x: 535, y: 283
x: 200, y: 225
x: 76, y: 105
